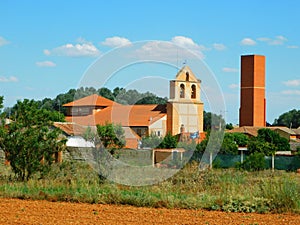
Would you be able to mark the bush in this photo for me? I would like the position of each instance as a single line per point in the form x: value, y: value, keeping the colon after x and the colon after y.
x: 254, y: 162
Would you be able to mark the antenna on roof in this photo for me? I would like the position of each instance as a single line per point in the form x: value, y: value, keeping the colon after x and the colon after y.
x: 177, y: 59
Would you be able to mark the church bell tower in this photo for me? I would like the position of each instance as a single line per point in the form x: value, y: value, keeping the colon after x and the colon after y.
x: 185, y: 108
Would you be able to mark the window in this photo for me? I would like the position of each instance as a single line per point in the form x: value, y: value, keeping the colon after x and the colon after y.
x: 158, y: 133
x: 182, y: 90
x: 193, y: 94
x: 187, y: 76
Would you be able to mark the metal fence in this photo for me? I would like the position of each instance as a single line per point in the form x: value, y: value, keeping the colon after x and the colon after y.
x: 289, y: 163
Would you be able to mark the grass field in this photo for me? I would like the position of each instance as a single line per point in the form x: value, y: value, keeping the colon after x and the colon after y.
x: 228, y: 190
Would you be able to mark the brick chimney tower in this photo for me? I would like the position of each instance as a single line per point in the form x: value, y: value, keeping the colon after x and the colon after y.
x: 253, y: 101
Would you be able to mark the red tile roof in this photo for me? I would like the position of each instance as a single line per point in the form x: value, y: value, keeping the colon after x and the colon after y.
x: 126, y: 115
x: 71, y: 128
x: 92, y: 100
x: 253, y: 130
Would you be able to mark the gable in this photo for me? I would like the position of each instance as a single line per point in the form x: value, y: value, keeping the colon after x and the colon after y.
x: 186, y: 74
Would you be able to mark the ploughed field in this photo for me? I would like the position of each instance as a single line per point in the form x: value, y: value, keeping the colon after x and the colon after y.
x: 16, y: 211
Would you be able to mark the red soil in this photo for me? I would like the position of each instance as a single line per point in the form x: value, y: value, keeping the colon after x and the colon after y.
x: 14, y: 211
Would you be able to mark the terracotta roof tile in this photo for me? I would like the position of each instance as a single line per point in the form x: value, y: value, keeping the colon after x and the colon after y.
x: 253, y: 130
x: 126, y: 115
x: 92, y: 100
x: 71, y: 128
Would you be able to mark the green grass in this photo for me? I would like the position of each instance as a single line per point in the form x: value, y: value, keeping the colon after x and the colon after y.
x: 218, y: 189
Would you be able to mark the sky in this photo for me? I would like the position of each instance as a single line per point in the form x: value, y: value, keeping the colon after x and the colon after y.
x: 49, y: 47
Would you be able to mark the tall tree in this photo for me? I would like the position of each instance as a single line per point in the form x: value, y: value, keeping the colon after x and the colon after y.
x: 30, y: 141
x: 289, y: 119
x: 211, y: 120
x: 106, y: 93
x: 168, y: 141
x: 112, y: 136
x: 1, y: 102
x: 268, y: 142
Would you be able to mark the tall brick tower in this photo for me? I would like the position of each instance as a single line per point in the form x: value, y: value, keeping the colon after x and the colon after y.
x: 253, y: 102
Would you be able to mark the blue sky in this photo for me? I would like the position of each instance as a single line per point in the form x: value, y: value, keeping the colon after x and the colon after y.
x: 47, y: 46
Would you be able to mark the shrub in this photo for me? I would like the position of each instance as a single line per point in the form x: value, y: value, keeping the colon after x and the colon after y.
x: 254, y: 162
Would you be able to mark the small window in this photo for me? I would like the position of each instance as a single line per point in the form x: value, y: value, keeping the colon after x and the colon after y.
x: 187, y: 76
x: 158, y: 133
x: 193, y: 94
x: 182, y: 90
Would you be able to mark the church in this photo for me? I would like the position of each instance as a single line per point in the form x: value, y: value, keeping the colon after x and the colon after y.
x: 182, y: 115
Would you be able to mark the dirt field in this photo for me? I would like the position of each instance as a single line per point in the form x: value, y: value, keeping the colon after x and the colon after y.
x: 13, y: 211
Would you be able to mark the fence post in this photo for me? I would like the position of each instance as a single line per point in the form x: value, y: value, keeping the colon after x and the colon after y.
x: 210, y: 160
x: 273, y: 162
x: 242, y: 156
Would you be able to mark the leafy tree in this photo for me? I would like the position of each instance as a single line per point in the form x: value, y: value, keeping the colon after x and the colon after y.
x: 240, y: 139
x: 1, y: 102
x: 168, y: 141
x: 117, y: 91
x: 30, y: 141
x: 288, y: 119
x: 215, y: 139
x: 212, y: 121
x: 229, y: 126
x: 112, y: 136
x: 151, y: 141
x: 256, y: 145
x: 268, y: 142
x: 229, y: 146
x: 189, y: 146
x: 150, y: 98
x: 255, y: 162
x: 106, y: 93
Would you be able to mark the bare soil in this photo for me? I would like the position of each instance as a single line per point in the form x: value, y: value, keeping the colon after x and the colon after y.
x: 15, y: 211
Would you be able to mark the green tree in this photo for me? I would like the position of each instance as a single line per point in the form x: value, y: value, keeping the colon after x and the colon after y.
x: 212, y: 121
x: 106, y: 93
x: 273, y: 138
x: 1, y: 102
x: 168, y: 141
x: 256, y: 145
x: 151, y: 141
x: 255, y: 162
x: 240, y: 139
x: 30, y: 141
x: 229, y: 145
x: 229, y: 126
x: 150, y: 98
x: 288, y: 119
x: 112, y: 136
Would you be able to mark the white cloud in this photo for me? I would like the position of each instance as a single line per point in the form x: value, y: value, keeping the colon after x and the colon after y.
x: 266, y: 39
x: 3, y: 41
x: 219, y: 47
x: 116, y: 41
x: 233, y: 86
x: 291, y: 92
x: 230, y: 70
x: 293, y: 83
x: 82, y: 49
x: 8, y: 79
x: 248, y: 41
x: 188, y: 43
x: 45, y: 64
x: 180, y: 48
x: 278, y: 40
x: 293, y: 46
